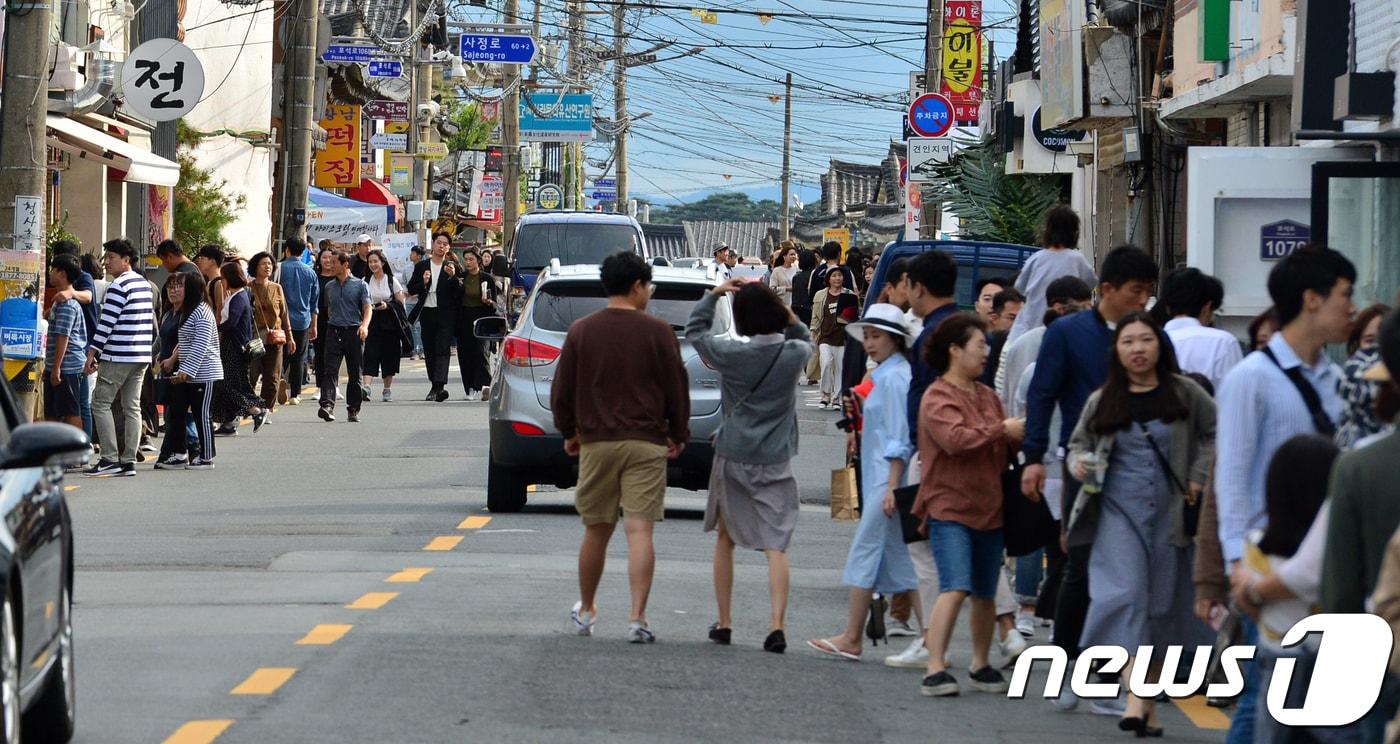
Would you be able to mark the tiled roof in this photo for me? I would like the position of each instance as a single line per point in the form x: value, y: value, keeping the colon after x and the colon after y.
x: 745, y: 238
x: 666, y: 240
x: 389, y: 18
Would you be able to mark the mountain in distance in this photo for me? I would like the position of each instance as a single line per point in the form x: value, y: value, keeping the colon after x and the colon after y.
x: 808, y: 193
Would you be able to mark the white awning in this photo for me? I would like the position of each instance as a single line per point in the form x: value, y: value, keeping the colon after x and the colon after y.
x: 84, y: 141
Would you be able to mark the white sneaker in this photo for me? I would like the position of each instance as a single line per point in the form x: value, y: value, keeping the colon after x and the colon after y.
x: 900, y: 629
x: 388, y: 395
x: 914, y: 657
x: 583, y: 621
x: 1013, y: 646
x: 1067, y: 701
x: 1025, y: 625
x: 638, y: 632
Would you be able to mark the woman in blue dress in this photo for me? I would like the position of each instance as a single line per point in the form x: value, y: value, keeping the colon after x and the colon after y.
x: 878, y: 561
x: 1142, y: 449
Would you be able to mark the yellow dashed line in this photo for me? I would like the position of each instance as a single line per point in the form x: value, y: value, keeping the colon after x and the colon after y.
x: 324, y: 635
x: 198, y: 732
x: 446, y: 542
x: 409, y: 576
x: 1202, y: 715
x: 474, y: 523
x: 70, y: 489
x: 372, y: 601
x: 264, y: 681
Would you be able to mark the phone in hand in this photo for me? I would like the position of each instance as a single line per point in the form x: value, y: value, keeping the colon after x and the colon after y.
x: 1218, y: 613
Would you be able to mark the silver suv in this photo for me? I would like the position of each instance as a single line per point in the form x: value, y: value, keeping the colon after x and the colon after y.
x: 526, y: 449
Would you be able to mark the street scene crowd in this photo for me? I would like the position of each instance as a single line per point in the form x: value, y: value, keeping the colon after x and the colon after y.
x: 1080, y: 450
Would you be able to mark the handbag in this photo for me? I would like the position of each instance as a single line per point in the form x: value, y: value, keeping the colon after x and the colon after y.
x: 274, y: 337
x: 405, y: 325
x: 1027, y: 525
x: 254, y: 349
x: 909, y: 524
x: 845, y: 500
x: 1191, y: 510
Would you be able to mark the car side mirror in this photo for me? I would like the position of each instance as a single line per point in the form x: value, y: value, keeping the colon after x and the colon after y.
x: 491, y: 328
x: 44, y: 443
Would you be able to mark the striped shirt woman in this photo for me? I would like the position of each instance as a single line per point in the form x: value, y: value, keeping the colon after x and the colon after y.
x: 192, y: 382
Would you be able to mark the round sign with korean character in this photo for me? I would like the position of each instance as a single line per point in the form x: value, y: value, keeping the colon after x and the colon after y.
x: 162, y: 80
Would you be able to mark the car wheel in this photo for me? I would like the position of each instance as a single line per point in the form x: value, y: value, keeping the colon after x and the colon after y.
x: 54, y: 716
x: 505, y: 489
x: 9, y: 673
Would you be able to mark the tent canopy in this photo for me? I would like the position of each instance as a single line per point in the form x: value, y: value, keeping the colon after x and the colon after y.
x: 331, y: 217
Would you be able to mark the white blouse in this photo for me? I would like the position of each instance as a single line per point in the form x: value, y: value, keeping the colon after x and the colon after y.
x: 380, y: 291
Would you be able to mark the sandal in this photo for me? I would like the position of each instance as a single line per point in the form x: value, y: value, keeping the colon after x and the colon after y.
x: 825, y: 647
x: 720, y: 635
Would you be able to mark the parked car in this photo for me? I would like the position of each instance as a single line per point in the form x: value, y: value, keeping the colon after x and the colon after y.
x: 572, y: 238
x: 526, y: 449
x: 976, y: 260
x: 37, y: 692
x: 689, y: 262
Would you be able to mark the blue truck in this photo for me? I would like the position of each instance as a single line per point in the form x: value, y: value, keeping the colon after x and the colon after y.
x: 976, y: 259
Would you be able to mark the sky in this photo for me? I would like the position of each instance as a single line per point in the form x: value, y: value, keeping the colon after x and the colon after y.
x: 712, y: 123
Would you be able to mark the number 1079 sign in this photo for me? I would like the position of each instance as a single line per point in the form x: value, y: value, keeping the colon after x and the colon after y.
x: 1278, y: 239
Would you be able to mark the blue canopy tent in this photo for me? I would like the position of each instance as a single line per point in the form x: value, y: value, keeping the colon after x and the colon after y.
x: 331, y: 217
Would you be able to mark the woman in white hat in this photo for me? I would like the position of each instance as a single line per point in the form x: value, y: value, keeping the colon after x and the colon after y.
x: 878, y: 561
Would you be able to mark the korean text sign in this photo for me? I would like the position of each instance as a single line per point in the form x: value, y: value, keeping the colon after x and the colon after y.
x: 962, y: 58
x: 338, y: 166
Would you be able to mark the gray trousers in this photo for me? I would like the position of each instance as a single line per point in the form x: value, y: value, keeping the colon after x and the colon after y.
x: 118, y: 379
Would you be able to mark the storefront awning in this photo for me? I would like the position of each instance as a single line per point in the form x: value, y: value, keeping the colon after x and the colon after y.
x: 84, y: 141
x: 374, y: 192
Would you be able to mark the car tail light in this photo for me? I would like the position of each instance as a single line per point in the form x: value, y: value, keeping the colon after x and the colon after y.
x: 526, y: 430
x: 517, y: 300
x: 522, y: 352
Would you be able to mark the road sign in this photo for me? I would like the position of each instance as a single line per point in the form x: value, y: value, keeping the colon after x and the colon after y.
x: 510, y: 49
x: 570, y: 117
x: 383, y: 68
x: 840, y: 235
x: 352, y: 53
x: 387, y: 110
x: 605, y: 183
x: 389, y: 141
x: 162, y: 80
x: 925, y: 153
x: 603, y: 195
x: 549, y: 196
x: 431, y: 150
x: 1278, y: 239
x: 931, y: 115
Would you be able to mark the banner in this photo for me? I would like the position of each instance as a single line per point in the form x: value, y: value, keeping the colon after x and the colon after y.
x: 962, y: 59
x: 396, y: 247
x: 338, y: 166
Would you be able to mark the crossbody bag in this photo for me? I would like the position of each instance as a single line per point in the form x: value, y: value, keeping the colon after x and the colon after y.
x: 1324, y: 425
x: 1191, y: 510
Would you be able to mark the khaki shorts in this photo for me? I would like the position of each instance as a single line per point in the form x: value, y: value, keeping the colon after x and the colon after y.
x: 630, y: 475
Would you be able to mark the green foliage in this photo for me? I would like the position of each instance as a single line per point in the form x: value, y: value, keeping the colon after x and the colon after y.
x: 58, y: 230
x: 728, y: 206
x: 204, y: 206
x: 990, y: 204
x: 473, y: 131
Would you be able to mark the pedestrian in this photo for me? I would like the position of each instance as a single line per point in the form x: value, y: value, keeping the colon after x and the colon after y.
x: 168, y: 343
x: 359, y: 262
x: 833, y: 309
x: 1262, y: 328
x: 65, y: 352
x: 1280, y: 574
x: 384, y: 344
x: 208, y: 260
x: 303, y: 294
x: 783, y: 272
x: 272, y: 322
x: 1006, y: 306
x: 621, y: 401
x: 878, y: 560
x: 1287, y: 388
x: 347, y: 325
x: 191, y: 370
x: 986, y: 292
x: 478, y: 301
x: 1142, y: 449
x: 1192, y: 299
x: 173, y: 259
x: 415, y: 254
x: 119, y: 352
x: 1359, y: 420
x: 233, y: 393
x: 932, y: 280
x: 326, y: 267
x: 725, y: 259
x: 1059, y: 234
x: 753, y: 498
x: 802, y: 291
x: 855, y: 264
x: 964, y: 441
x: 437, y: 293
x: 1072, y: 363
x: 831, y: 261
x: 84, y: 290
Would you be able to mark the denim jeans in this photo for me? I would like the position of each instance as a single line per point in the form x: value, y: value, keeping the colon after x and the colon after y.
x: 85, y: 403
x: 417, y: 331
x: 1247, y: 704
x: 1030, y: 569
x: 968, y: 560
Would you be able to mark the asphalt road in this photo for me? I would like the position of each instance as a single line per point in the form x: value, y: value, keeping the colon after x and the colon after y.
x: 344, y: 583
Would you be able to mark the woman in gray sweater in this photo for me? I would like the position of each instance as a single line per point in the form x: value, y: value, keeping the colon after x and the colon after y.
x: 753, y: 494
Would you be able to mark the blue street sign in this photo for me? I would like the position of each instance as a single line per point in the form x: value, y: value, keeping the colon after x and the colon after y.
x: 351, y: 53
x: 1278, y: 239
x: 383, y: 68
x: 605, y: 183
x: 603, y: 195
x: 511, y: 49
x: 931, y: 115
x: 570, y: 117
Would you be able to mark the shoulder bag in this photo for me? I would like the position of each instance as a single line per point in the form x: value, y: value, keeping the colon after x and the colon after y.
x: 1324, y: 425
x: 1191, y: 510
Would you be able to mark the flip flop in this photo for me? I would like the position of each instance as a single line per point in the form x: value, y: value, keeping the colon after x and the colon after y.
x: 829, y: 649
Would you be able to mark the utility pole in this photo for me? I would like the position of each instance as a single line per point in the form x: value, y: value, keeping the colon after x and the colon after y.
x: 510, y: 148
x: 932, y: 212
x: 421, y: 92
x: 299, y: 81
x: 787, y: 157
x: 23, y: 139
x: 620, y: 105
x: 574, y: 151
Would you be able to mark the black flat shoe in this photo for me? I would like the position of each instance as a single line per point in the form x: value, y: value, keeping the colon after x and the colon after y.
x: 441, y: 396
x: 775, y: 643
x: 875, y: 627
x: 1139, y: 727
x: 720, y: 635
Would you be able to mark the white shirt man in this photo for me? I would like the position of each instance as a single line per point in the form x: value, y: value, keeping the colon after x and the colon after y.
x: 1192, y: 298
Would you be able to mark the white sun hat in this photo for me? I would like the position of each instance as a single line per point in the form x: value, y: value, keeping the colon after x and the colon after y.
x: 884, y: 317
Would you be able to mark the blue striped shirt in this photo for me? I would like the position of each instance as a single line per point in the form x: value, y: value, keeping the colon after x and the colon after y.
x: 199, y: 346
x: 126, y: 328
x: 302, y: 290
x: 66, y: 319
x: 1258, y: 410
